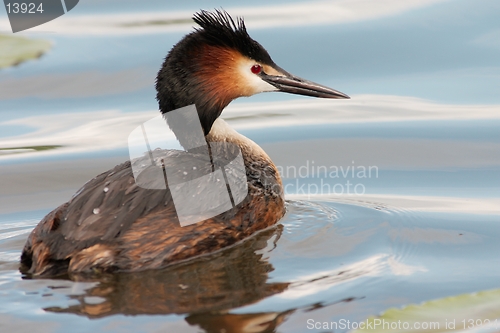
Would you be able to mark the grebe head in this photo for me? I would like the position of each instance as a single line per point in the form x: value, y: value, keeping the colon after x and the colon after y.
x: 220, y: 62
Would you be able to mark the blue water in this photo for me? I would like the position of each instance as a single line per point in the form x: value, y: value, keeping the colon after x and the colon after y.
x: 424, y: 114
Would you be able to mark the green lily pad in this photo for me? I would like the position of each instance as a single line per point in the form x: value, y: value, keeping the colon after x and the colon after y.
x: 15, y: 50
x: 468, y: 312
x: 27, y: 149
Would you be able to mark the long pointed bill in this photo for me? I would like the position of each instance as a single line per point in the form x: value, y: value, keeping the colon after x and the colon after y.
x: 296, y: 85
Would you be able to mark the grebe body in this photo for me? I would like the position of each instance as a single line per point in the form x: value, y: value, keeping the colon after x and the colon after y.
x: 112, y: 224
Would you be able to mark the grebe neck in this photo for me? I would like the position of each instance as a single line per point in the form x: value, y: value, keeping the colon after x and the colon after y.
x: 252, y: 152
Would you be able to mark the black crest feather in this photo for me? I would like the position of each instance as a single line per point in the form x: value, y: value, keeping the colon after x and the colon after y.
x: 219, y: 29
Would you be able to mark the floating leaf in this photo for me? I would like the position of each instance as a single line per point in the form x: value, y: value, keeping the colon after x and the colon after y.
x: 478, y: 312
x: 15, y: 50
x: 27, y: 149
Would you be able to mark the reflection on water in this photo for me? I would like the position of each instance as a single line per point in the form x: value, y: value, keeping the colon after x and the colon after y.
x: 216, y: 283
x: 327, y: 260
x: 205, y: 289
x: 266, y: 322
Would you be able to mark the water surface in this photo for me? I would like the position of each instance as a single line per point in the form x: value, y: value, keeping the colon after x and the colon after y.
x: 393, y: 196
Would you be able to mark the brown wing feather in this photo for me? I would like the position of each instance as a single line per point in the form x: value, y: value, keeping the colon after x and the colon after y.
x: 129, y: 228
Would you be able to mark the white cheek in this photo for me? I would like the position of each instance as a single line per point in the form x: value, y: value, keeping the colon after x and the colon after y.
x: 255, y: 83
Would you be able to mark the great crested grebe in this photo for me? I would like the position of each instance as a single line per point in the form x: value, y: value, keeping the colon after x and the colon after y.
x: 112, y: 224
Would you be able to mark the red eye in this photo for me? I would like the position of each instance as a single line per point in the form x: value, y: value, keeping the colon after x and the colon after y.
x: 256, y: 69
